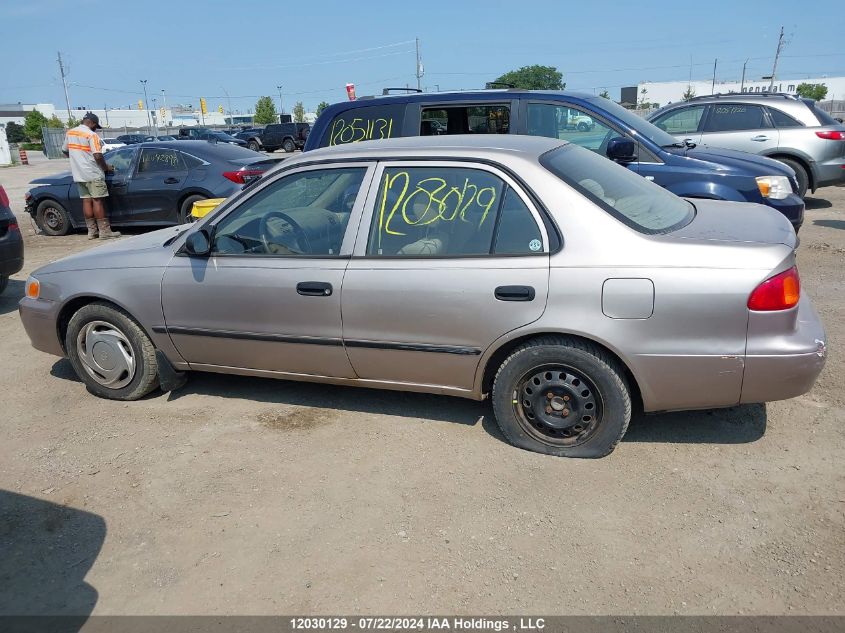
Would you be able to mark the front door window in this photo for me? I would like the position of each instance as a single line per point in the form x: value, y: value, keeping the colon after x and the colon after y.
x: 569, y: 124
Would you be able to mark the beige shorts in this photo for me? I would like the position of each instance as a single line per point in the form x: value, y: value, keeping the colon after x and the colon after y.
x: 93, y: 189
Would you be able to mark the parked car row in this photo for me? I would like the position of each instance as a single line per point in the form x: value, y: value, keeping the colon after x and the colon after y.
x: 11, y: 242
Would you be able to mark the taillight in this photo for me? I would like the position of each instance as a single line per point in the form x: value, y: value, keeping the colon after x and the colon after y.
x: 780, y: 292
x: 243, y: 175
x: 13, y: 226
x: 831, y: 135
x: 4, y: 198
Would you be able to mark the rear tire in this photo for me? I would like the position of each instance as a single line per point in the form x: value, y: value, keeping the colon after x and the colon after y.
x: 546, y: 380
x: 102, y: 335
x: 187, y: 205
x: 52, y: 218
x: 289, y: 146
x: 800, y: 174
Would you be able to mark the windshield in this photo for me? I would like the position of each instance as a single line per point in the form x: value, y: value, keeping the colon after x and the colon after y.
x: 630, y: 198
x: 636, y: 123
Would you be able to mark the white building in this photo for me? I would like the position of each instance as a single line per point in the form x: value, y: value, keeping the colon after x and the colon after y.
x: 671, y: 91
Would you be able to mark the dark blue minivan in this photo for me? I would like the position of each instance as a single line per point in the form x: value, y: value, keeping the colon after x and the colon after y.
x: 592, y: 122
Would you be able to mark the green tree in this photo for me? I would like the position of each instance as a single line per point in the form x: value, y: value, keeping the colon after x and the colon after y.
x: 265, y: 111
x: 56, y: 122
x: 71, y: 122
x: 299, y: 112
x: 32, y: 124
x: 15, y: 132
x: 322, y: 106
x: 534, y: 78
x: 689, y: 93
x: 812, y: 91
x: 605, y: 94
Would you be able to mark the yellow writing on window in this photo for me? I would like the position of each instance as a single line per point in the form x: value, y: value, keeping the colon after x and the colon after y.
x: 359, y: 129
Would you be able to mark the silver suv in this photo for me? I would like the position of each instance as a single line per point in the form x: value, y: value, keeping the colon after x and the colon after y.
x: 790, y: 129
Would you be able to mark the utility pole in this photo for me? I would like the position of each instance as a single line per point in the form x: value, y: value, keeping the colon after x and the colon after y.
x: 713, y: 85
x: 279, y: 88
x: 419, y: 72
x: 742, y: 82
x: 155, y: 115
x: 146, y: 105
x: 775, y: 65
x: 164, y: 99
x: 106, y: 108
x: 64, y: 83
x: 229, y: 99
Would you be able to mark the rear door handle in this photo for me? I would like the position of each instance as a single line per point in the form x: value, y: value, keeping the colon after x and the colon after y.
x: 314, y: 288
x: 760, y: 137
x: 515, y: 293
x: 171, y: 181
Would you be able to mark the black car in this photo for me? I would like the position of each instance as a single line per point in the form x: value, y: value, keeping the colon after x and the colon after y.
x: 204, y: 134
x: 11, y: 241
x: 152, y: 184
x: 164, y: 137
x: 131, y: 139
x: 287, y: 136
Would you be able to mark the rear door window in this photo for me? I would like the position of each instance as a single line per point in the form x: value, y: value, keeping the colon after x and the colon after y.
x: 465, y: 119
x: 733, y: 117
x: 369, y: 123
x: 781, y: 119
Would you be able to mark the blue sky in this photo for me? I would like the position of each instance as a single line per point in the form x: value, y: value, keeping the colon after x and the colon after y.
x: 207, y: 48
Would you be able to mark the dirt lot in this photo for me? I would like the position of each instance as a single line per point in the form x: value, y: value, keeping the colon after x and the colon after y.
x: 243, y: 495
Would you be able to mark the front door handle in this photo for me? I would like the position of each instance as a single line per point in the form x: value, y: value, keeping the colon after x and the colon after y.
x: 314, y: 288
x: 760, y: 137
x: 515, y: 293
x: 171, y: 181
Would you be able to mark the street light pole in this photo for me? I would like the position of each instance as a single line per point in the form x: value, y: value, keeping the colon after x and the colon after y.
x: 164, y: 118
x: 146, y: 105
x: 229, y: 99
x: 279, y: 88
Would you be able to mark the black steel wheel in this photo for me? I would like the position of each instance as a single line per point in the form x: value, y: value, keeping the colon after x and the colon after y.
x: 289, y: 146
x: 254, y: 146
x: 52, y: 218
x: 562, y: 396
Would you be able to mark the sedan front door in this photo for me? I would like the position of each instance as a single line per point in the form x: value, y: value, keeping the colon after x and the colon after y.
x: 267, y: 299
x: 449, y: 257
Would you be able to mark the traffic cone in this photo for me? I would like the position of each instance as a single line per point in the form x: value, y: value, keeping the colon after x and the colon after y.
x: 24, y: 160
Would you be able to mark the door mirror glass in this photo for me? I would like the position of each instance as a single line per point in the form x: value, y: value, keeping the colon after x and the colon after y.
x: 622, y: 150
x: 198, y: 243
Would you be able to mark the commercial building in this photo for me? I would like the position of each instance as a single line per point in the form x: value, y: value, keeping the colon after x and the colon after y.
x: 672, y: 91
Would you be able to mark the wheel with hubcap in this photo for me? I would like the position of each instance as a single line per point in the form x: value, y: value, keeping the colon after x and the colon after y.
x: 254, y: 146
x: 52, y: 218
x: 288, y: 146
x: 110, y: 353
x: 583, y: 127
x: 562, y: 396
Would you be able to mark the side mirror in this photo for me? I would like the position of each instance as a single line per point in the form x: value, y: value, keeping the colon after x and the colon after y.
x: 198, y: 243
x: 622, y: 150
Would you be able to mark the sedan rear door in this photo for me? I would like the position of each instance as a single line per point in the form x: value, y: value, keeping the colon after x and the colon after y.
x: 156, y: 185
x: 741, y: 126
x: 450, y: 256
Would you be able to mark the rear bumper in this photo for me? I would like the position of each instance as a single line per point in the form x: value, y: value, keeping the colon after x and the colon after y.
x: 830, y: 172
x: 11, y: 252
x: 780, y: 366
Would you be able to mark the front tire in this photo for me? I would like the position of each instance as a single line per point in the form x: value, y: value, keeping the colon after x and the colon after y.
x: 562, y: 396
x: 110, y: 353
x: 254, y: 146
x: 52, y: 218
x: 800, y: 174
x: 583, y: 127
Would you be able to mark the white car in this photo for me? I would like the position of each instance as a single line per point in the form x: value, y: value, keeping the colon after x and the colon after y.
x: 110, y: 144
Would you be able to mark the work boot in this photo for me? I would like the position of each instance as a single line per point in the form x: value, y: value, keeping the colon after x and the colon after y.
x: 91, y: 225
x: 105, y: 229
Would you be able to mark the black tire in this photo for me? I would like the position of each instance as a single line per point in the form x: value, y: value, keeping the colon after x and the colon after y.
x: 254, y: 145
x: 4, y: 281
x: 145, y: 376
x: 52, y: 218
x: 289, y: 146
x: 800, y: 174
x: 574, y: 367
x: 583, y: 127
x: 187, y: 205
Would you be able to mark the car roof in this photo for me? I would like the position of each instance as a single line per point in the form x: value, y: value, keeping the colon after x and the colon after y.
x: 451, y: 146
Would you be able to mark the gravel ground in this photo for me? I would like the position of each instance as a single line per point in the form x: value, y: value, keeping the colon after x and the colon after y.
x: 252, y: 496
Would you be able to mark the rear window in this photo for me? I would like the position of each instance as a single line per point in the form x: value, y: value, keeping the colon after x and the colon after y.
x: 823, y: 117
x: 224, y: 151
x: 369, y: 123
x: 630, y: 198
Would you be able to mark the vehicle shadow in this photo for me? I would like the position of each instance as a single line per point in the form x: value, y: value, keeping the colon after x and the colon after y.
x: 735, y: 425
x: 831, y: 224
x: 11, y: 295
x: 47, y: 551
x: 816, y: 203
